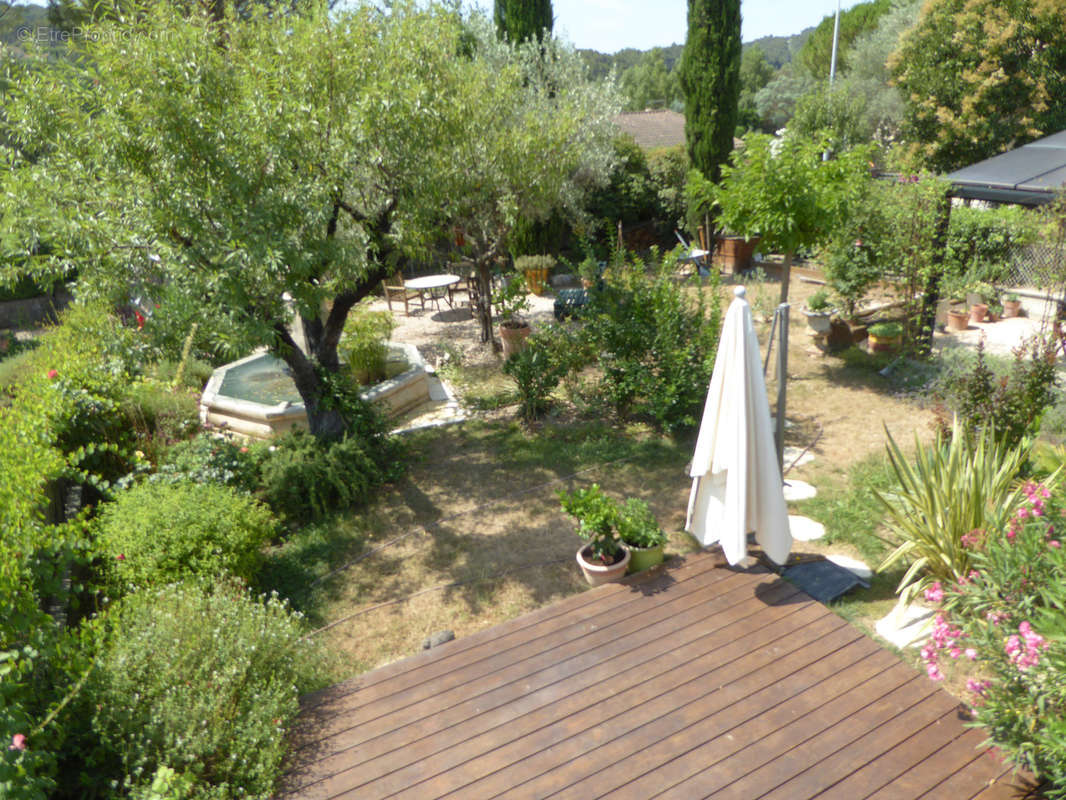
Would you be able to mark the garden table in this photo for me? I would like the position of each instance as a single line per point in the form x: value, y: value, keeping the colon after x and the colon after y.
x: 433, y: 286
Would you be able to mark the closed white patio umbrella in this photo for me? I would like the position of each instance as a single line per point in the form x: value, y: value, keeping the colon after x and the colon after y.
x: 736, y: 479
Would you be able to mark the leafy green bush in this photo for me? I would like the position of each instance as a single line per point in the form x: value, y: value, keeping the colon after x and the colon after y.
x: 159, y: 416
x: 985, y: 240
x: 304, y: 478
x: 537, y: 370
x: 953, y: 489
x: 656, y: 342
x: 157, y: 533
x: 1013, y: 404
x: 886, y: 330
x: 853, y: 259
x: 210, y: 459
x: 365, y: 343
x: 204, y: 684
x: 1004, y: 626
x: 637, y: 525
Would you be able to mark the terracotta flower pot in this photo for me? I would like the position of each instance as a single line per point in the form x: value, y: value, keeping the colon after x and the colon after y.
x: 598, y: 574
x: 958, y: 320
x: 1012, y: 308
x: 514, y: 337
x: 535, y: 280
x: 978, y: 311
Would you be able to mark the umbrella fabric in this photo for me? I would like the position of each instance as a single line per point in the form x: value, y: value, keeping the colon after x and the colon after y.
x: 736, y: 486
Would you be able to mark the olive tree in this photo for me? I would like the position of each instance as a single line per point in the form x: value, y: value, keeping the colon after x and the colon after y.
x: 244, y: 160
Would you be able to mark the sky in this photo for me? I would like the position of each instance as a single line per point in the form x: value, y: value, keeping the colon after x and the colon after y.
x: 611, y: 25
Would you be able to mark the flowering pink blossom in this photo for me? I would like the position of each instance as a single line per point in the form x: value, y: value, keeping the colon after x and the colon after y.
x: 53, y: 374
x: 18, y: 742
x: 977, y: 687
x: 971, y: 654
x: 934, y: 593
x: 934, y: 673
x: 1054, y: 544
x: 244, y: 449
x: 120, y: 557
x: 1025, y: 655
x: 971, y: 539
x: 996, y: 617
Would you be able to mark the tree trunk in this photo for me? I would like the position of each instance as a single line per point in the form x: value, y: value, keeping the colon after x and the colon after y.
x: 786, y: 276
x: 484, y: 301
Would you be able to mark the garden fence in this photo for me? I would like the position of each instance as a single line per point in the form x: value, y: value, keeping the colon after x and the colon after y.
x: 1039, y: 265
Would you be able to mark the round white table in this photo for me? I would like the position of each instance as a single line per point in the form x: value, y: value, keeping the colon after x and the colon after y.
x: 434, y: 285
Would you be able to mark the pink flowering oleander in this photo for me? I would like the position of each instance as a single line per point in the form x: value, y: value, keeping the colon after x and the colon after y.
x: 996, y: 617
x: 934, y: 593
x: 18, y: 742
x: 977, y: 687
x: 1026, y: 655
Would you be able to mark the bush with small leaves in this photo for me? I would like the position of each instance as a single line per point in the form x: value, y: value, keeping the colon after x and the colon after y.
x: 203, y: 683
x: 156, y: 533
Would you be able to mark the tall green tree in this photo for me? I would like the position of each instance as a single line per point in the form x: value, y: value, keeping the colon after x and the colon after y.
x: 710, y: 81
x: 980, y: 77
x: 518, y: 21
x: 755, y: 73
x: 308, y: 156
x: 817, y: 51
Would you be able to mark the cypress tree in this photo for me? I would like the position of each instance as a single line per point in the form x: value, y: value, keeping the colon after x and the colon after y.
x: 710, y: 82
x: 520, y: 20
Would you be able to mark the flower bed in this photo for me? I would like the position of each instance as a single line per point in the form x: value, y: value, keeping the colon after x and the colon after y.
x: 1003, y: 630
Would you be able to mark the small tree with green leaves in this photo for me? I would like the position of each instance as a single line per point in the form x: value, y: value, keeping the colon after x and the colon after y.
x: 782, y: 190
x: 518, y: 21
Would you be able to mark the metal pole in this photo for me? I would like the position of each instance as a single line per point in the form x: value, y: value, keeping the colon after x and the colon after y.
x: 833, y: 66
x: 833, y: 58
x: 782, y: 384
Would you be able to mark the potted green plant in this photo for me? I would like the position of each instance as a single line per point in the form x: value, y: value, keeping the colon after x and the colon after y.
x: 819, y: 311
x: 1012, y: 305
x: 885, y: 337
x: 958, y: 317
x: 511, y: 301
x: 995, y: 311
x: 641, y: 533
x: 365, y: 344
x: 535, y: 269
x: 605, y: 558
x: 985, y: 295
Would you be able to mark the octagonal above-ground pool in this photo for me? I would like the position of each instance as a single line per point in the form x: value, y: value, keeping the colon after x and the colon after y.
x: 256, y: 396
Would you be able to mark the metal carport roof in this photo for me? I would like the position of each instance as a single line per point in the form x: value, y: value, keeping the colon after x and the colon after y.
x: 1028, y: 175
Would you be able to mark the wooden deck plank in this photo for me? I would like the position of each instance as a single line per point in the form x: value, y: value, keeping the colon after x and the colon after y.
x: 501, y: 680
x: 672, y: 648
x: 697, y: 738
x: 381, y: 681
x: 394, y: 700
x: 700, y: 682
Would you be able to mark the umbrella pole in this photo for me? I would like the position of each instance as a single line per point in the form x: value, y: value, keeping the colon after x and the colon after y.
x: 782, y: 382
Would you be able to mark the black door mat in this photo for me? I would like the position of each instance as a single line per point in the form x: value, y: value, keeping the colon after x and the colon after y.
x: 823, y: 580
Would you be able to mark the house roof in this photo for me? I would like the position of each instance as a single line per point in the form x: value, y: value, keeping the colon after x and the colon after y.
x: 651, y: 129
x: 1028, y: 175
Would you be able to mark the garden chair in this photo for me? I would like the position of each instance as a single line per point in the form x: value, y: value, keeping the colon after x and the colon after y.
x: 394, y: 288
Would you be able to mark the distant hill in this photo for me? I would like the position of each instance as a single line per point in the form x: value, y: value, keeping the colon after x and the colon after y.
x: 779, y: 51
x: 14, y: 17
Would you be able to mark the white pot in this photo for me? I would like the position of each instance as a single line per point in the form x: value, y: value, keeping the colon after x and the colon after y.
x: 820, y: 321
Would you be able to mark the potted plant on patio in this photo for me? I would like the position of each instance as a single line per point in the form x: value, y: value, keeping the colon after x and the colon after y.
x: 885, y: 337
x: 641, y: 533
x: 819, y: 311
x: 510, y: 302
x: 535, y: 269
x: 1012, y: 305
x: 605, y: 558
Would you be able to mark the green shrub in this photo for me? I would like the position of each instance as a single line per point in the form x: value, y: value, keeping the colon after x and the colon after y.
x: 204, y: 684
x: 537, y: 370
x: 987, y: 239
x: 210, y: 459
x: 1013, y: 404
x: 637, y: 525
x: 953, y: 489
x: 157, y: 533
x: 819, y: 301
x: 1004, y: 626
x: 656, y: 342
x: 365, y: 346
x: 159, y: 416
x: 304, y: 478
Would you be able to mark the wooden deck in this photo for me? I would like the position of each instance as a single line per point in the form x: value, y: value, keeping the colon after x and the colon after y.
x: 701, y: 682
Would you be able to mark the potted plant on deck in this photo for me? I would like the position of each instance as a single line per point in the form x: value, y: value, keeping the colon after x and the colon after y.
x: 641, y: 533
x: 510, y: 302
x: 605, y: 558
